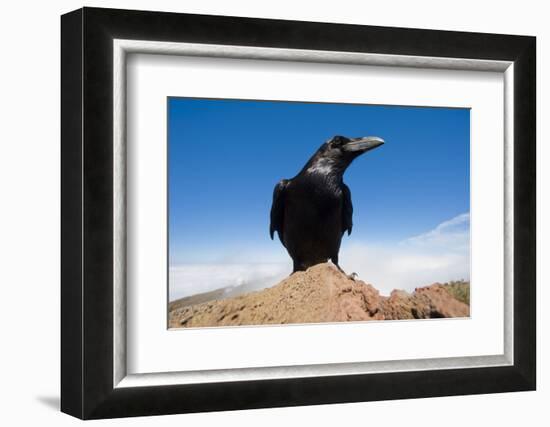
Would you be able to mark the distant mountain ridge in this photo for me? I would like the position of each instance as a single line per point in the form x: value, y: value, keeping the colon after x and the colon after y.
x: 216, y: 294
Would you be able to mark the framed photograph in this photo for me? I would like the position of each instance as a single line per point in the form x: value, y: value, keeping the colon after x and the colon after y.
x: 261, y: 213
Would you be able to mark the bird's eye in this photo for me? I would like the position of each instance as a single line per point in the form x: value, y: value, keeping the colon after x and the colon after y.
x: 337, y: 141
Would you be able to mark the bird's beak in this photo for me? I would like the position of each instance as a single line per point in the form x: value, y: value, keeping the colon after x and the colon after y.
x: 363, y: 144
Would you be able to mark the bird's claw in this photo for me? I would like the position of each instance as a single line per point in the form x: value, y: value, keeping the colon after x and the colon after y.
x: 353, y: 276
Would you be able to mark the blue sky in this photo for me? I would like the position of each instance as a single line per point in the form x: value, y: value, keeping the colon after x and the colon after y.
x: 225, y: 157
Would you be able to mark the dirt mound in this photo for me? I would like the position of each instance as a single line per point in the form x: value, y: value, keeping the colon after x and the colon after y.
x: 320, y: 294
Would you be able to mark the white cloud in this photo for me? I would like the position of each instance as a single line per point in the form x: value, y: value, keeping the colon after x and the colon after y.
x: 191, y: 279
x: 453, y: 235
x: 439, y: 255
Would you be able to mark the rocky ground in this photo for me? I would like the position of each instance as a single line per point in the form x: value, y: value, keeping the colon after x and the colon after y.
x: 321, y: 294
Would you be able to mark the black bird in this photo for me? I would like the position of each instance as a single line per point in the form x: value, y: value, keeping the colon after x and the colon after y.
x: 312, y: 211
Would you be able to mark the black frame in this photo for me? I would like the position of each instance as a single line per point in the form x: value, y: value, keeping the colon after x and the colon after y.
x: 87, y: 222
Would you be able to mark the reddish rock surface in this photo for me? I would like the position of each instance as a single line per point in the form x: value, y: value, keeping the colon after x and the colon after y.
x: 320, y: 294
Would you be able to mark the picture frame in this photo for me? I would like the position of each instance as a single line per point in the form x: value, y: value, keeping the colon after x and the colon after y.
x: 93, y: 311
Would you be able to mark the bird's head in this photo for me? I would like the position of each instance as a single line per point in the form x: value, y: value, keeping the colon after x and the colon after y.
x: 335, y: 155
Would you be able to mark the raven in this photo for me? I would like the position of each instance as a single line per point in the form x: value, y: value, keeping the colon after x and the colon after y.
x: 312, y: 211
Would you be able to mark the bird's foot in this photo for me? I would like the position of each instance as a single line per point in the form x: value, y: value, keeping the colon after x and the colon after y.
x: 353, y: 276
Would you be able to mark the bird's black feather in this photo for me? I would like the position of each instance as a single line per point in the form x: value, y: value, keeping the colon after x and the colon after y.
x: 278, y: 209
x: 347, y: 211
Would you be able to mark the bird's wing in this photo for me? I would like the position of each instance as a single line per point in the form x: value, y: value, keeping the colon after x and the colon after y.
x: 277, y: 209
x: 347, y: 211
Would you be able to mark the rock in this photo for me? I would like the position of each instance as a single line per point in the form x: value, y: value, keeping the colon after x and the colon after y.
x: 320, y: 294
